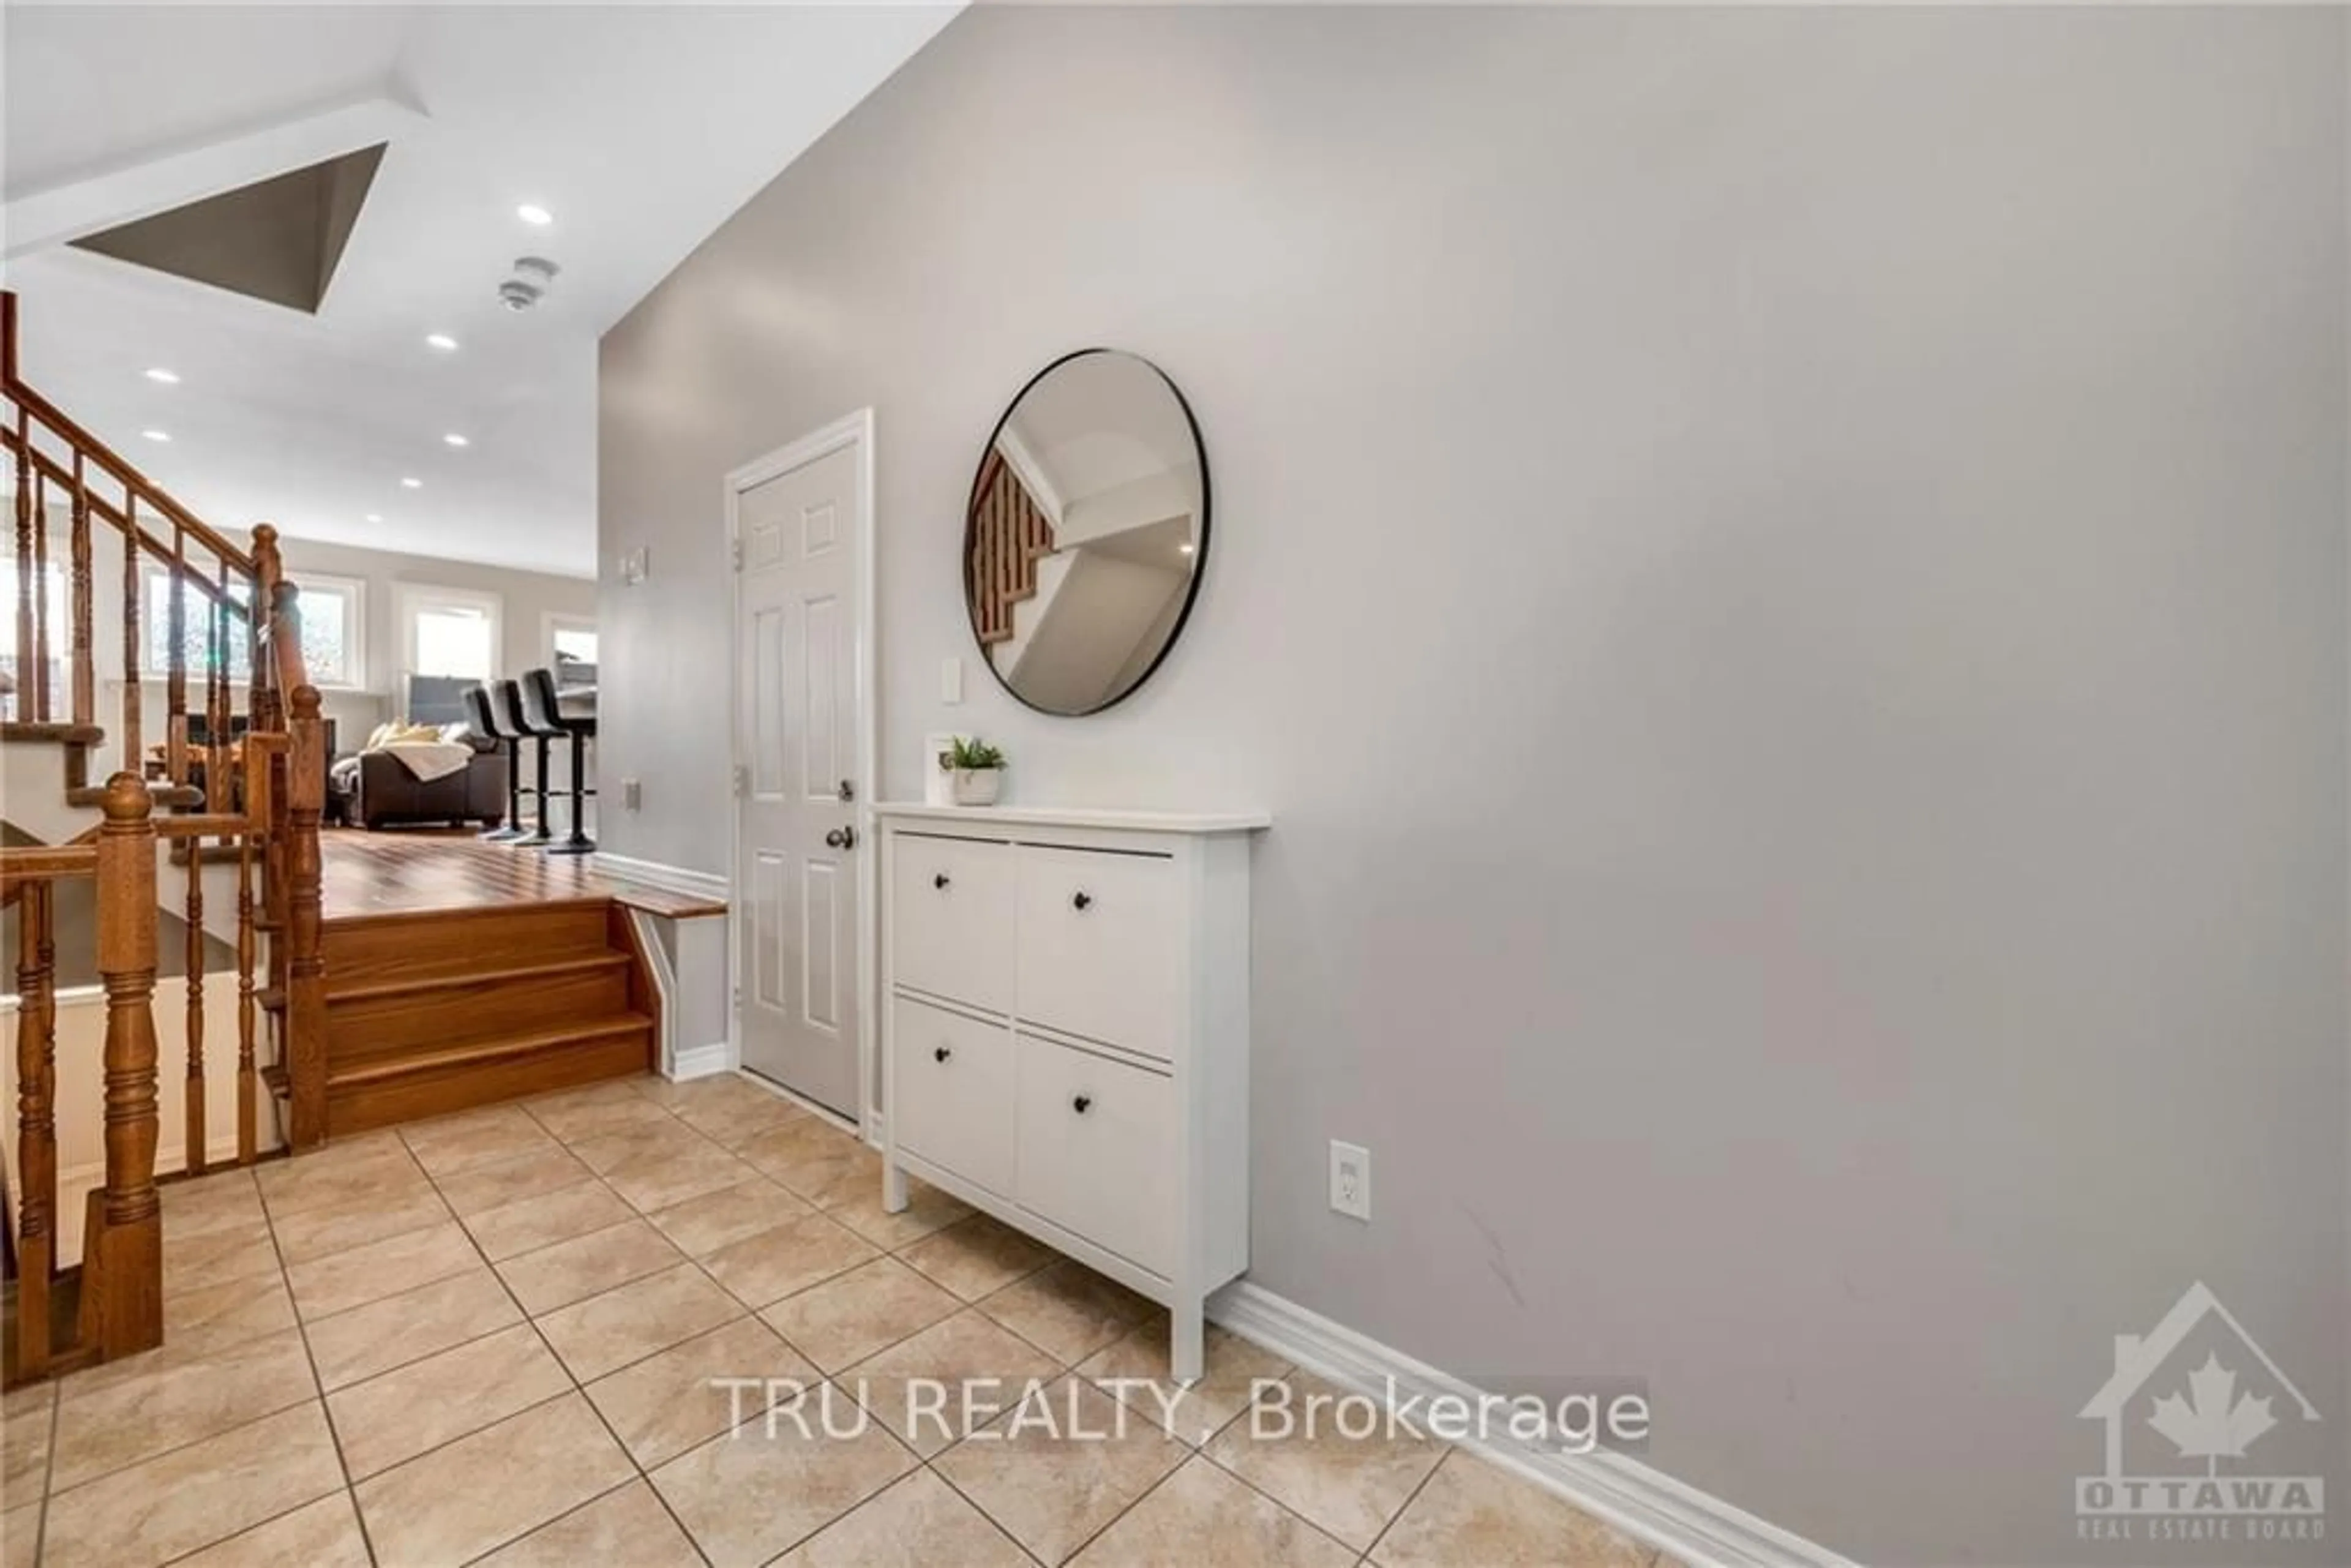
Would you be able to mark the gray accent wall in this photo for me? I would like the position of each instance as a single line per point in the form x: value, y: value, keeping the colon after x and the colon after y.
x: 1782, y: 573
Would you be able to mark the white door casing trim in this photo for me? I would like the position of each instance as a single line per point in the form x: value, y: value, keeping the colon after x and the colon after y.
x: 1696, y: 1527
x: 851, y: 430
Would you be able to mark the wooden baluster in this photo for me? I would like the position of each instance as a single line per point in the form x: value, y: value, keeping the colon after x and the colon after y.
x: 306, y: 988
x: 194, y: 1102
x: 220, y: 794
x: 134, y: 753
x: 25, y: 586
x: 269, y: 572
x: 85, y: 665
x: 42, y: 709
x: 175, y: 713
x: 37, y: 1144
x: 122, y: 1247
x: 249, y: 1087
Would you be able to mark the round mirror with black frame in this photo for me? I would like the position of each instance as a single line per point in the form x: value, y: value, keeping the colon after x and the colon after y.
x: 1086, y: 532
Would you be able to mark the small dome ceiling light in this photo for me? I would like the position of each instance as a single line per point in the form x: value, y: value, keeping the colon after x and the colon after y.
x: 534, y: 214
x: 441, y: 341
x: 162, y: 435
x: 454, y: 439
x: 164, y: 377
x: 411, y: 483
x: 532, y: 277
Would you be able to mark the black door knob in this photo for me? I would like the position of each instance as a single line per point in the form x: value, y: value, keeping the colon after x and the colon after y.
x: 939, y: 880
x: 940, y: 1054
x: 1082, y: 901
x: 1081, y: 1103
x: 842, y: 838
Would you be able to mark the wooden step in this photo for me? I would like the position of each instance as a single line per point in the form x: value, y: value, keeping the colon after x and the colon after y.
x: 374, y: 949
x: 368, y: 1022
x: 413, y: 1085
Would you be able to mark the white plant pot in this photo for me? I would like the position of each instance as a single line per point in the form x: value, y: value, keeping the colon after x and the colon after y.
x: 978, y: 786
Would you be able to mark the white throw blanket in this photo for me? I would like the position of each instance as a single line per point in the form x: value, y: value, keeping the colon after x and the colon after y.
x: 430, y: 759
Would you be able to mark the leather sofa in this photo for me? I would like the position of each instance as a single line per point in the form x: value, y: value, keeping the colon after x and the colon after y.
x: 383, y: 792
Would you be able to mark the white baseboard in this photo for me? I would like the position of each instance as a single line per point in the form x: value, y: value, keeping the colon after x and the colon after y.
x: 700, y: 1061
x: 1700, y: 1530
x: 669, y: 878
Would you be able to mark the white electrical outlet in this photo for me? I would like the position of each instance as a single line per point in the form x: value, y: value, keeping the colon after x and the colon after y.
x: 1350, y: 1179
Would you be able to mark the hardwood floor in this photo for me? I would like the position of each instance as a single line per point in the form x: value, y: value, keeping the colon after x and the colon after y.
x: 393, y: 873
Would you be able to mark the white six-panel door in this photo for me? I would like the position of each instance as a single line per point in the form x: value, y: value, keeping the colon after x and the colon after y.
x: 797, y: 633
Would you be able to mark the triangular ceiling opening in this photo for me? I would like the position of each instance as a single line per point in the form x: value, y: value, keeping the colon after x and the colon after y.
x: 278, y: 239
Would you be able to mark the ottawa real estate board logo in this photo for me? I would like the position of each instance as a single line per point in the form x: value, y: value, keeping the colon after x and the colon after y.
x: 2203, y: 1433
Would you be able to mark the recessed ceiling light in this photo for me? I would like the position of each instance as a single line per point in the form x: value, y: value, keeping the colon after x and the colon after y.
x: 156, y: 435
x: 411, y: 483
x: 534, y: 214
x: 454, y: 439
x: 375, y: 516
x: 441, y: 341
x: 168, y: 378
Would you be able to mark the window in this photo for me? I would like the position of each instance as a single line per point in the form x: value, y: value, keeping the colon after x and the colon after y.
x: 572, y: 649
x: 53, y: 587
x: 330, y: 629
x: 449, y: 632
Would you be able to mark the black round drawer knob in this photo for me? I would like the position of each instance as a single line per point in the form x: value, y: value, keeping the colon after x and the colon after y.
x: 1082, y: 901
x: 939, y: 880
x: 1081, y: 1103
x: 940, y: 1054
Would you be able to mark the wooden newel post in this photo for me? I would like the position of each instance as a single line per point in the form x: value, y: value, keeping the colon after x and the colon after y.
x: 306, y: 970
x: 122, y: 1251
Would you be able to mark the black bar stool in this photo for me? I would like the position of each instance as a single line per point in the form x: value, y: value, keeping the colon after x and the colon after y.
x: 545, y: 715
x: 484, y: 718
x: 505, y: 703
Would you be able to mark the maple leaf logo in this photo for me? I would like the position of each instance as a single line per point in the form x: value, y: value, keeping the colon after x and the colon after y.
x: 2206, y: 1425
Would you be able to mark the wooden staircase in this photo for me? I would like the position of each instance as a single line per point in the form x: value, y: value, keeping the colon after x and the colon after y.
x: 88, y: 522
x: 1009, y: 535
x: 332, y: 1026
x: 428, y: 1013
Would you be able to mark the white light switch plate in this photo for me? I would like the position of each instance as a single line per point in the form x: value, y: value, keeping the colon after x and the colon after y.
x: 951, y: 682
x: 1350, y: 1179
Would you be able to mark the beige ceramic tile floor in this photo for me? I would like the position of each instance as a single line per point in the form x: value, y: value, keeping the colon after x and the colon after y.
x: 493, y: 1339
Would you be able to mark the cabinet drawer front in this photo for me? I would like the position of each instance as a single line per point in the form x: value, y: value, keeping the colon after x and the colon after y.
x: 954, y: 1080
x: 1101, y: 945
x: 951, y: 919
x: 1108, y: 1171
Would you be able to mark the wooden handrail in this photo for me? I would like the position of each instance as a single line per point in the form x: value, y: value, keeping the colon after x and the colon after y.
x: 40, y: 408
x: 106, y: 512
x: 46, y: 862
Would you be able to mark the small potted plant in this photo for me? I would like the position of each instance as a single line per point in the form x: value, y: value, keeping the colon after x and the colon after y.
x: 978, y: 769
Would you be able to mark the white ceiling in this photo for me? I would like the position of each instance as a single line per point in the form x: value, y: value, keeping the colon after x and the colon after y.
x: 641, y: 129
